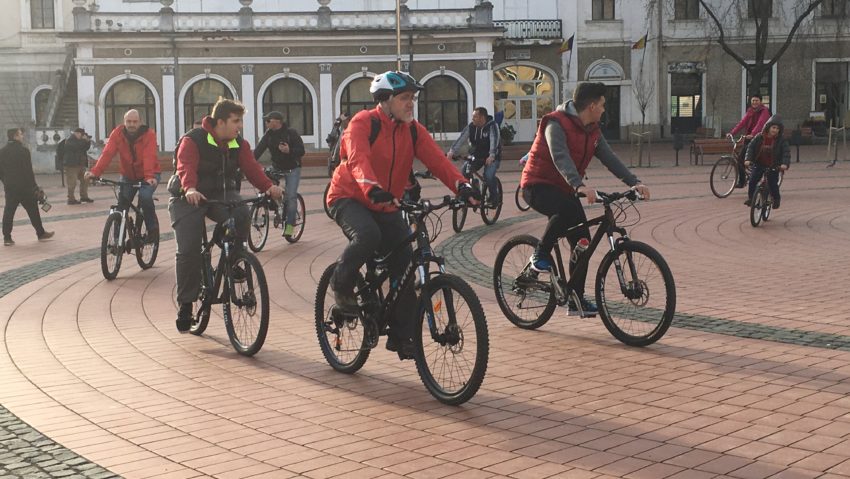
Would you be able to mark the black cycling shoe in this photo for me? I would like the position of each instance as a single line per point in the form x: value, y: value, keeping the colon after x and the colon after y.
x: 184, y: 318
x: 588, y: 308
x: 748, y: 203
x: 406, y: 351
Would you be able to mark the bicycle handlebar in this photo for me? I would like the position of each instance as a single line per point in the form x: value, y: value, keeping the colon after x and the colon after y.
x: 607, y: 198
x: 424, y: 174
x: 426, y: 206
x: 104, y: 181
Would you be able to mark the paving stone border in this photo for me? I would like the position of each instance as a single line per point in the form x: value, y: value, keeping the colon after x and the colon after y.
x: 26, y: 453
x: 457, y: 251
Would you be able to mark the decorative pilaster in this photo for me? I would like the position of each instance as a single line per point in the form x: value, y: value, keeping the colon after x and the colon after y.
x: 86, y: 100
x: 246, y: 16
x: 326, y: 104
x: 169, y: 109
x: 249, y: 127
x: 484, y: 77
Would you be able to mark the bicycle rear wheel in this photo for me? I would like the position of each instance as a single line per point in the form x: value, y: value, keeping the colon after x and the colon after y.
x: 453, y: 345
x: 757, y: 204
x: 341, y: 338
x: 520, y: 200
x: 246, y: 315
x: 490, y: 215
x: 147, y: 248
x: 724, y: 175
x: 259, y: 233
x: 111, y: 246
x: 300, y: 220
x: 527, y: 302
x: 459, y: 218
x: 325, y: 201
x: 639, y: 311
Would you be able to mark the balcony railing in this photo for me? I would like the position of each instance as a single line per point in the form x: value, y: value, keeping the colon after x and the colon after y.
x: 530, y: 29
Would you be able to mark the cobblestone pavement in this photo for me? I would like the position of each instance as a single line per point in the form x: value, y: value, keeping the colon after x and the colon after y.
x: 750, y: 382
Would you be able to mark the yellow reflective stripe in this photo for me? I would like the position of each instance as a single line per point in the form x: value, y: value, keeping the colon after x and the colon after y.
x: 231, y: 144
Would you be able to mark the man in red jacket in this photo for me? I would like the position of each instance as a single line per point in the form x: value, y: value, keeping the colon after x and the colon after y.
x: 209, y: 161
x: 750, y: 125
x: 135, y: 145
x: 567, y: 139
x: 365, y: 188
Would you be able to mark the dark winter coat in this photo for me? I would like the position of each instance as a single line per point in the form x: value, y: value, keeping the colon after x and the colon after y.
x: 781, y: 148
x: 16, y: 169
x: 75, y: 151
x: 270, y: 141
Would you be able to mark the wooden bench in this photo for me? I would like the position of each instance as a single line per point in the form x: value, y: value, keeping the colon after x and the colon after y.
x: 709, y: 146
x: 703, y: 132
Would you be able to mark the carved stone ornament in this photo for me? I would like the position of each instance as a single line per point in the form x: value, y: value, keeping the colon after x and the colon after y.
x: 247, y: 69
x: 167, y: 69
x: 325, y: 67
x: 86, y: 70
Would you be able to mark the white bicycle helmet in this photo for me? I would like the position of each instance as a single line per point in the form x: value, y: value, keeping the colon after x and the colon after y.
x: 392, y: 83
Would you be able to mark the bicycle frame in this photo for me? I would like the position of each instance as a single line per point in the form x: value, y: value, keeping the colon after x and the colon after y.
x: 123, y: 208
x: 214, y: 276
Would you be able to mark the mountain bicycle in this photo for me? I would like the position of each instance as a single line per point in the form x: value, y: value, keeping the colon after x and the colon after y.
x: 451, y: 342
x: 237, y: 283
x: 634, y: 287
x: 723, y: 178
x: 761, y: 204
x: 490, y: 207
x: 125, y: 231
x: 262, y: 220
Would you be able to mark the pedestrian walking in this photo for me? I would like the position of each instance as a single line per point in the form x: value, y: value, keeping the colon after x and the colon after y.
x: 19, y: 184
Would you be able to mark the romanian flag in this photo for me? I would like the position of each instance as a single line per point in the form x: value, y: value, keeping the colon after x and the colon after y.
x: 640, y: 44
x: 567, y: 45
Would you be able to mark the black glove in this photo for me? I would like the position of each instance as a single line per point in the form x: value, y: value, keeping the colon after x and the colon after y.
x: 465, y: 191
x: 379, y: 195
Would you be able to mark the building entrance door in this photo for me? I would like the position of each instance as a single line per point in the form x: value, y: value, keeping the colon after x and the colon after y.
x: 521, y: 114
x: 831, y: 87
x: 685, y: 102
x: 611, y: 118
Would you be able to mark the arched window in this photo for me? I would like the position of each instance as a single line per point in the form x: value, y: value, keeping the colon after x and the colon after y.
x: 201, y: 98
x: 293, y: 99
x: 442, y: 105
x: 40, y: 104
x: 356, y: 96
x: 126, y: 95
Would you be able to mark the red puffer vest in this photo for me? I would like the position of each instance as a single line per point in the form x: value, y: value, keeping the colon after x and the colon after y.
x: 581, y: 142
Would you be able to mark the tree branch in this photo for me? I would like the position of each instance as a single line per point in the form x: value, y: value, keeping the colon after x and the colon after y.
x: 722, y: 40
x: 793, y: 31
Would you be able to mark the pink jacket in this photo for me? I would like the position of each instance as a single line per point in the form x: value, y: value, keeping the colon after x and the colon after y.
x: 753, y: 122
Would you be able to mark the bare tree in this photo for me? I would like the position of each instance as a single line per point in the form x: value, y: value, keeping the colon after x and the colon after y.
x: 759, y: 12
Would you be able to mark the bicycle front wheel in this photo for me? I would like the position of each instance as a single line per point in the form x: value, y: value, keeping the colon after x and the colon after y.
x: 111, y: 247
x: 453, y: 344
x: 757, y: 205
x: 724, y: 175
x: 490, y: 214
x: 300, y: 220
x: 459, y: 218
x: 246, y: 315
x: 638, y: 310
x: 147, y: 246
x: 325, y: 201
x: 526, y: 301
x: 259, y: 233
x: 520, y: 200
x: 342, y: 338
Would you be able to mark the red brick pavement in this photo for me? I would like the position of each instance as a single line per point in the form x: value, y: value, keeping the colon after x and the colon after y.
x: 99, y: 367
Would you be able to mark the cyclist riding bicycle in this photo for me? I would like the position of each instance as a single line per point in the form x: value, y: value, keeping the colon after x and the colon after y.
x: 365, y: 188
x: 566, y: 141
x: 769, y: 150
x: 750, y: 125
x: 286, y: 148
x: 485, y: 147
x: 135, y: 145
x: 209, y: 160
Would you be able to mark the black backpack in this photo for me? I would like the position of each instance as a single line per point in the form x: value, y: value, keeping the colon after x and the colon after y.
x: 57, y: 160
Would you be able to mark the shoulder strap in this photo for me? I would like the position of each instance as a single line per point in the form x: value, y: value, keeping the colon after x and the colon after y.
x: 376, y: 129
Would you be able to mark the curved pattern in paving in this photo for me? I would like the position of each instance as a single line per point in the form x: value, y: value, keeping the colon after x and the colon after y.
x: 98, y: 367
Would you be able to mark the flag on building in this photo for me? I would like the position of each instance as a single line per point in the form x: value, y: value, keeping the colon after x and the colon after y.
x: 640, y: 44
x: 567, y: 45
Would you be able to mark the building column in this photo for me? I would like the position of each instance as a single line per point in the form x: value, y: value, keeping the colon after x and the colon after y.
x: 86, y: 99
x: 249, y: 127
x: 326, y: 104
x: 169, y: 109
x: 484, y: 84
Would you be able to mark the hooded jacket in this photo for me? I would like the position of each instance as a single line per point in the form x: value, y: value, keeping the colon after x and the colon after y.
x: 273, y: 138
x: 387, y: 162
x: 563, y: 148
x: 137, y: 154
x: 781, y: 148
x: 484, y: 140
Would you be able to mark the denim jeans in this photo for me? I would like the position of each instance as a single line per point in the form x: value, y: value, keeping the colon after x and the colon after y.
x: 490, y: 177
x: 146, y: 192
x: 291, y: 179
x: 772, y: 181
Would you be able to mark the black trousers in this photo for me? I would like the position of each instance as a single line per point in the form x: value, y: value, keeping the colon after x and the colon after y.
x: 372, y: 233
x: 30, y: 205
x: 564, y: 212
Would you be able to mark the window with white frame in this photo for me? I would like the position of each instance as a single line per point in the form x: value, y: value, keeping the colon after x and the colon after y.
x: 201, y: 98
x: 686, y: 9
x: 603, y: 10
x: 292, y: 98
x: 42, y: 14
x: 442, y: 104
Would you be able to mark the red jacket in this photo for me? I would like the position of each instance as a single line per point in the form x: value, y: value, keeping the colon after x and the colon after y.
x: 753, y: 121
x: 581, y: 141
x: 144, y: 166
x: 187, y: 161
x: 387, y: 162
